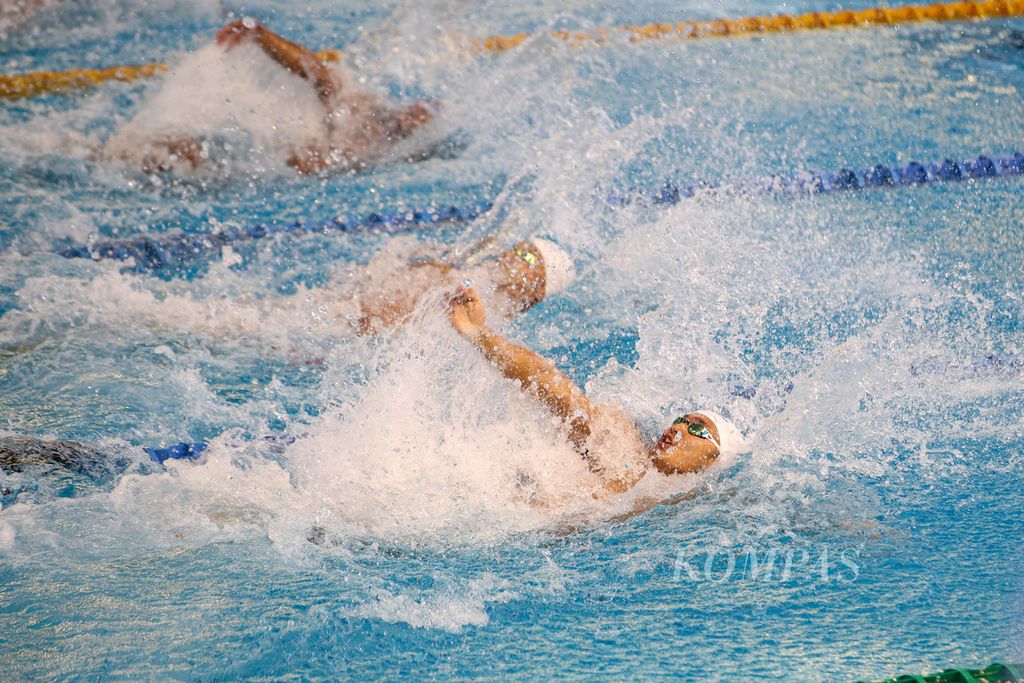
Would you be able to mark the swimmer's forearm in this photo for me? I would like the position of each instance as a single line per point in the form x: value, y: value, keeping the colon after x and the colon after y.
x: 555, y: 390
x: 298, y: 59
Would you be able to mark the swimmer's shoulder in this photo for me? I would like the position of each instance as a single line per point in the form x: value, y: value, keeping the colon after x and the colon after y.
x: 613, y: 432
x: 442, y: 269
x: 612, y: 416
x: 618, y: 448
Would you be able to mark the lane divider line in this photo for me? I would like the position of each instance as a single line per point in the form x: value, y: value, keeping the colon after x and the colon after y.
x: 175, y: 250
x: 15, y: 86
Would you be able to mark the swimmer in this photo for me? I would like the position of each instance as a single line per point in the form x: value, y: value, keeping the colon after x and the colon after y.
x: 519, y: 278
x: 358, y: 127
x: 21, y: 452
x: 365, y: 300
x: 604, y: 436
x: 65, y: 466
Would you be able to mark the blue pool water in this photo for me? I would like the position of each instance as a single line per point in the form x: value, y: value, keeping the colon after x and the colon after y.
x: 880, y: 332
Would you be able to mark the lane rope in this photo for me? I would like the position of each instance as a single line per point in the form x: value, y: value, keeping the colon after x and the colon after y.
x: 151, y: 253
x: 841, y: 180
x: 785, y: 23
x: 175, y: 250
x: 18, y: 86
x: 14, y: 86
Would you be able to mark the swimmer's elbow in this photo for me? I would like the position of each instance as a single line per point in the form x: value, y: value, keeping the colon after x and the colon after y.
x: 579, y: 429
x: 611, y: 487
x: 327, y: 91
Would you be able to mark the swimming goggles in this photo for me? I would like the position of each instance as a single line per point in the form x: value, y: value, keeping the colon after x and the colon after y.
x: 696, y: 429
x: 527, y: 256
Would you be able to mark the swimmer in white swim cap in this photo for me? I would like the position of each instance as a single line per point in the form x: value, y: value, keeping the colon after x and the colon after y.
x: 606, y: 438
x: 519, y: 278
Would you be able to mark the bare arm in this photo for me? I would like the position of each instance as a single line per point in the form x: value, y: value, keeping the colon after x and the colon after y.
x: 291, y: 56
x: 554, y: 390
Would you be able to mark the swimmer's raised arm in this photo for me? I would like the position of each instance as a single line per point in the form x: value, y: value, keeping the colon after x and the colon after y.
x: 691, y: 443
x: 556, y: 391
x: 292, y: 56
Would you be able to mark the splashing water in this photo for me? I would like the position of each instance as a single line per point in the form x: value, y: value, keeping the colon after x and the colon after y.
x: 239, y: 101
x: 425, y: 496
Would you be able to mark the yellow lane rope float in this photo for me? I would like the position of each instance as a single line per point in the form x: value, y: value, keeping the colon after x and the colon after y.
x: 29, y: 85
x: 16, y: 86
x: 693, y: 30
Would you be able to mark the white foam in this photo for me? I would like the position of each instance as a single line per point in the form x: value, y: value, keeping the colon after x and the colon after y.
x: 434, y: 444
x: 7, y: 537
x: 260, y: 110
x: 108, y: 297
x: 449, y: 609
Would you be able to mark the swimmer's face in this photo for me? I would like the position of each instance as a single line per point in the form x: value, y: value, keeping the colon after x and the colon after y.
x: 519, y: 281
x: 678, y: 451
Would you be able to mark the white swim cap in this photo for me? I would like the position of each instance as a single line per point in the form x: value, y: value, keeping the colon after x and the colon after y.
x: 559, y: 271
x: 730, y: 439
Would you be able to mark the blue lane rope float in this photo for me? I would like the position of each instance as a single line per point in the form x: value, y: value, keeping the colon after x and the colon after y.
x: 842, y: 180
x: 151, y: 253
x: 193, y: 451
x: 179, y: 451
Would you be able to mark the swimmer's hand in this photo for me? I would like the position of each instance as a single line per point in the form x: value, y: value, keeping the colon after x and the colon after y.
x: 466, y: 312
x: 236, y: 32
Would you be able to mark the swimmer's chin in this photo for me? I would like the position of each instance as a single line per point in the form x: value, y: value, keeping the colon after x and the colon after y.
x: 659, y: 463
